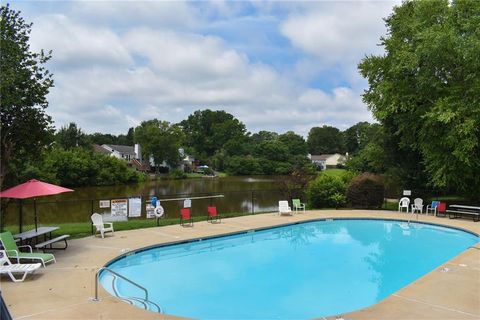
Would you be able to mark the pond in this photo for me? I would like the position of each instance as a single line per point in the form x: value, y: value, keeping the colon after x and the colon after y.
x: 242, y: 194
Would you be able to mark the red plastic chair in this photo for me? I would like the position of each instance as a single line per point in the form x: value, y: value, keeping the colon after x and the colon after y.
x: 442, y: 209
x: 185, y: 216
x: 213, y: 215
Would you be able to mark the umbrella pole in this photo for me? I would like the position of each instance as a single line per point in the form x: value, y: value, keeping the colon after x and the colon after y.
x: 20, y: 208
x: 35, y: 213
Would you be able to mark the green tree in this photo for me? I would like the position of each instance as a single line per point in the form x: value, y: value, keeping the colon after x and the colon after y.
x: 102, y: 138
x: 295, y: 143
x: 80, y: 167
x: 161, y: 140
x: 325, y: 139
x: 272, y: 150
x: 424, y: 91
x: 360, y: 135
x: 208, y: 131
x: 24, y: 85
x: 69, y: 137
x: 263, y: 135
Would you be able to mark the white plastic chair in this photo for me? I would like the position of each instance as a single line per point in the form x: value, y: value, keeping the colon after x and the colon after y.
x: 284, y: 208
x: 97, y: 221
x: 404, y: 203
x: 417, y: 205
x: 6, y: 267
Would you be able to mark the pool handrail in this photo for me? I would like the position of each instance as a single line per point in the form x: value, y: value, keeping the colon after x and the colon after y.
x: 146, y: 303
x: 118, y: 275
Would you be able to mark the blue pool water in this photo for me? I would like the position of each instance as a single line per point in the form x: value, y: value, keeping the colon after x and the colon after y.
x: 300, y: 271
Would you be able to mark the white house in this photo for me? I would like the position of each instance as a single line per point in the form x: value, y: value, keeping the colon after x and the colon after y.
x: 325, y: 161
x: 123, y: 152
x: 133, y: 155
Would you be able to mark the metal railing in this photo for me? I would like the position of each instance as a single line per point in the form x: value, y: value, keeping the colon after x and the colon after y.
x: 144, y: 301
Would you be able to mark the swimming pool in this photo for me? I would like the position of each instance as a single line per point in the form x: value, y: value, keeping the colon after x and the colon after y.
x: 299, y: 271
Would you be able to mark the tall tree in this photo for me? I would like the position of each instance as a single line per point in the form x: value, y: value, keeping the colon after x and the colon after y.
x: 424, y: 90
x: 69, y: 137
x: 24, y: 85
x: 359, y: 135
x: 325, y: 139
x: 295, y: 143
x: 161, y: 140
x: 208, y: 131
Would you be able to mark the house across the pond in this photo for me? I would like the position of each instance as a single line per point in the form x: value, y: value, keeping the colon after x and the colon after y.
x: 327, y: 161
x: 133, y: 156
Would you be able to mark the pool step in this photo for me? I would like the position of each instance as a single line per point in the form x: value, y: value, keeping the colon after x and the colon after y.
x: 136, y: 301
x: 143, y: 303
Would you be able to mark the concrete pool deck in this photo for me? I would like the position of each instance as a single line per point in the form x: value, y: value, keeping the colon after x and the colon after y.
x: 64, y: 290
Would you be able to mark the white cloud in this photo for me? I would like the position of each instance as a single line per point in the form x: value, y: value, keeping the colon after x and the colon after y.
x: 112, y: 71
x: 338, y: 32
x: 78, y: 45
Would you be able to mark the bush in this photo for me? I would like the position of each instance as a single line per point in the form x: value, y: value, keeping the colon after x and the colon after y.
x: 177, y: 174
x: 366, y: 191
x: 79, y: 167
x: 326, y: 191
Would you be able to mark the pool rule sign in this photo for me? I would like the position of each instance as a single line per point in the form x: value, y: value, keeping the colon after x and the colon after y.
x: 119, y: 207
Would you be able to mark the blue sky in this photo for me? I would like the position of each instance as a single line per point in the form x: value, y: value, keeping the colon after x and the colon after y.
x: 275, y: 65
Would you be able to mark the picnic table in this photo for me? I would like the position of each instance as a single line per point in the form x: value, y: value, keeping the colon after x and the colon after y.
x: 32, y: 236
x: 457, y: 210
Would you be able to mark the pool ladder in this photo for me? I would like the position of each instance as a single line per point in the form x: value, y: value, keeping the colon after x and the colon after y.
x: 144, y: 303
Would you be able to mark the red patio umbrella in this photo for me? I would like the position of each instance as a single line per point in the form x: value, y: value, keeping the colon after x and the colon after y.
x: 31, y: 189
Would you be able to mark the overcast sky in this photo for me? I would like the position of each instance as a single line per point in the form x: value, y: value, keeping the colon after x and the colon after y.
x: 275, y: 65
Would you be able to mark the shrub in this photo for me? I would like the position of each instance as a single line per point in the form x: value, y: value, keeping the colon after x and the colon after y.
x: 177, y: 174
x: 325, y: 191
x: 366, y: 191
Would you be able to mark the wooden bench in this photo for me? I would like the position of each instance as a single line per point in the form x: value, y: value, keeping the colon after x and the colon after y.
x: 43, y: 245
x: 456, y: 211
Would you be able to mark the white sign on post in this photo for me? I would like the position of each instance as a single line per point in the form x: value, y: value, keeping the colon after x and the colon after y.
x: 134, y: 207
x: 407, y: 192
x: 150, y: 211
x: 104, y: 204
x: 119, y: 207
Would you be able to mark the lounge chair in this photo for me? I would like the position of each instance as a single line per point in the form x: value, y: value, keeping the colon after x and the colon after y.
x: 417, y: 205
x: 213, y: 215
x: 6, y: 267
x: 432, y: 208
x: 13, y: 251
x: 297, y: 205
x: 404, y: 203
x: 97, y: 221
x: 185, y: 216
x: 284, y: 208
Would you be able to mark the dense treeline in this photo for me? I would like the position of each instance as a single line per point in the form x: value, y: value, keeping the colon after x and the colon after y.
x: 219, y: 140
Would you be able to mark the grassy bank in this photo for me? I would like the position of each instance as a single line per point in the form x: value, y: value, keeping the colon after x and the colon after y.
x: 84, y: 229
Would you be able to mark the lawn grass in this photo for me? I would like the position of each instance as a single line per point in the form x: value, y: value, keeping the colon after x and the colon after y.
x: 195, y: 175
x: 201, y: 175
x: 335, y: 172
x: 84, y: 229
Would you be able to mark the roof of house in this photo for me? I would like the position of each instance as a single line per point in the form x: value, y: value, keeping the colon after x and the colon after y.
x: 321, y: 157
x: 122, y: 149
x: 99, y: 149
x: 324, y: 157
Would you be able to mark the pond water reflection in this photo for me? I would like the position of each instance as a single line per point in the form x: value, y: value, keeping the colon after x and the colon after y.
x: 245, y: 194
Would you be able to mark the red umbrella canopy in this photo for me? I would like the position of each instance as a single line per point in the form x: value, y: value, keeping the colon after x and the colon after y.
x: 33, y: 188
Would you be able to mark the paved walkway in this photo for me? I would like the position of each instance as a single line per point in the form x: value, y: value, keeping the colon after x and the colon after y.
x: 64, y: 290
